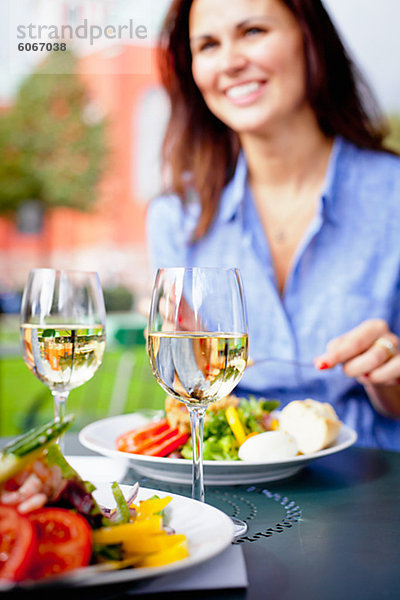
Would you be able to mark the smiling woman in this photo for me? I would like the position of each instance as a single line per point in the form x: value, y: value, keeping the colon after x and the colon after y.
x: 274, y: 149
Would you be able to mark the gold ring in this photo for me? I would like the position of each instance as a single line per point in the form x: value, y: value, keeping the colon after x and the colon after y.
x: 387, y: 345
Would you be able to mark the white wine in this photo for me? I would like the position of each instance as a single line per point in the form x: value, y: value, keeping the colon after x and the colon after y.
x: 196, y: 367
x: 65, y: 356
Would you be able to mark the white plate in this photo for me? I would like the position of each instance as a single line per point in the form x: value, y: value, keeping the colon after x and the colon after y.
x: 100, y: 469
x: 208, y: 530
x: 100, y: 436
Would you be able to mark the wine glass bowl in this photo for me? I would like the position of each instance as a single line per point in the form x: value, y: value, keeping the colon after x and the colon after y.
x: 197, y: 342
x: 62, y: 327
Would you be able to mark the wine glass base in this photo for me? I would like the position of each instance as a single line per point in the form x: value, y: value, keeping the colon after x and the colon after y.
x: 240, y: 527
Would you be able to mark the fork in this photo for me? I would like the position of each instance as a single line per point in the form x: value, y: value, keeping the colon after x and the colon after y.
x: 288, y: 361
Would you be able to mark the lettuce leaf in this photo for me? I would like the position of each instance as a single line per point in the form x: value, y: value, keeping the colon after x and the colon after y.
x: 76, y: 493
x: 219, y: 443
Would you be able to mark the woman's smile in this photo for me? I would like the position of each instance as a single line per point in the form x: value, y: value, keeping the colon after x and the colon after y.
x: 245, y: 93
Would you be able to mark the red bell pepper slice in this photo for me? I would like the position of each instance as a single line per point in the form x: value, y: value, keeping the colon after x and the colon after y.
x: 155, y: 441
x: 127, y: 442
x: 167, y: 446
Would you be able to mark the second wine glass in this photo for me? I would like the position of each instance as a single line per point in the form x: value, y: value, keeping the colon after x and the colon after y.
x: 198, y: 343
x: 62, y: 329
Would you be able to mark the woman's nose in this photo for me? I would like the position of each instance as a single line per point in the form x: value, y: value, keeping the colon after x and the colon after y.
x: 232, y: 59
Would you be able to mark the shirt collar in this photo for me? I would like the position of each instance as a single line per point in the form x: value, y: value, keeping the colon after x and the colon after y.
x: 235, y: 190
x: 331, y: 181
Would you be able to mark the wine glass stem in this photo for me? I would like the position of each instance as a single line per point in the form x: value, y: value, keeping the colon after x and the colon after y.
x: 60, y: 404
x: 197, y: 425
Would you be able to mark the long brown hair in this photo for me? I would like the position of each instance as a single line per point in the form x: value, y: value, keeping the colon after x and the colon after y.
x: 201, y: 151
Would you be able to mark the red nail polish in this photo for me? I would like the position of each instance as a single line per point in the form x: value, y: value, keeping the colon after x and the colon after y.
x: 398, y: 381
x: 366, y: 375
x: 323, y: 365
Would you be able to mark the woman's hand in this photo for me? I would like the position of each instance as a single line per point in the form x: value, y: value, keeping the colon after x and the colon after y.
x: 369, y: 353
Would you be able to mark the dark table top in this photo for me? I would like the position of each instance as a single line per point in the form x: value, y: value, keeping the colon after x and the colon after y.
x: 331, y: 532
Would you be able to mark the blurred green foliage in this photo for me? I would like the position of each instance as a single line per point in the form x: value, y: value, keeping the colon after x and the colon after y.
x: 26, y: 402
x: 118, y: 299
x: 50, y: 149
x: 124, y: 383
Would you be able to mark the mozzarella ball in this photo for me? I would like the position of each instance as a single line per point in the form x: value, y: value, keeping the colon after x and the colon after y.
x: 270, y: 446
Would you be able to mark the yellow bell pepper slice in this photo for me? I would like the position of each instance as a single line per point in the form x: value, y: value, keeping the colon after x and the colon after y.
x: 177, y: 552
x: 274, y: 425
x: 153, y: 543
x: 149, y: 507
x: 250, y: 435
x: 235, y: 424
x: 120, y: 533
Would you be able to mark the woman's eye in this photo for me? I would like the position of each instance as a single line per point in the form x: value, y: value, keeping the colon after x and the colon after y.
x: 254, y: 30
x: 207, y: 46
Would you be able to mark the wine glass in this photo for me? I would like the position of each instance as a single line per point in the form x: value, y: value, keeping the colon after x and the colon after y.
x: 62, y: 329
x: 198, y: 344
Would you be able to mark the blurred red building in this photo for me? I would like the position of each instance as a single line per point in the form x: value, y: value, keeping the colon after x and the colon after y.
x: 111, y: 239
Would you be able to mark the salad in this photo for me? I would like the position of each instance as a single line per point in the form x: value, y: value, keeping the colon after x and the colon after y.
x: 228, y: 424
x: 50, y: 522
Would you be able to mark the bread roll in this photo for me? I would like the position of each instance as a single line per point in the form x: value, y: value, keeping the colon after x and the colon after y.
x: 314, y: 425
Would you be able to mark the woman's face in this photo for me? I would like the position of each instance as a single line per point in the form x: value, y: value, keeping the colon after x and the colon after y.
x: 248, y: 62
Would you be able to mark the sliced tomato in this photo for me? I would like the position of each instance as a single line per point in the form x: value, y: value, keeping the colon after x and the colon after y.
x: 17, y: 544
x: 64, y: 542
x: 127, y: 442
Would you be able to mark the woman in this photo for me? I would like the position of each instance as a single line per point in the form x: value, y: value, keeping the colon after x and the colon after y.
x: 276, y: 164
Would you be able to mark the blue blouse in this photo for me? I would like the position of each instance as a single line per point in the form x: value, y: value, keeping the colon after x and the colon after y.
x: 345, y: 270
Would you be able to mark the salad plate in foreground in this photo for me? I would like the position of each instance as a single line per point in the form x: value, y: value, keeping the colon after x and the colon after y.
x: 208, y: 532
x: 58, y: 529
x: 101, y: 437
